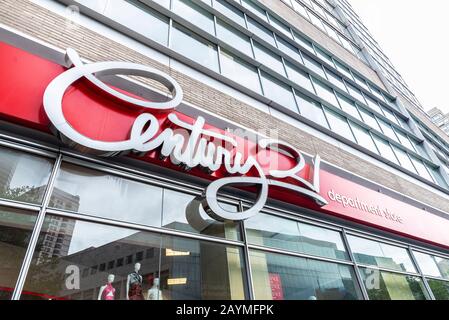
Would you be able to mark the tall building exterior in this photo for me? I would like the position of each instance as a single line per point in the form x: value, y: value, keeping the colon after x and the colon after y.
x: 213, y: 149
x: 439, y: 119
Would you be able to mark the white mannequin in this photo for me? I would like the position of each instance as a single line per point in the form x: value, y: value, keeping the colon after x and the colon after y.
x: 111, y: 279
x: 154, y: 293
x: 136, y: 270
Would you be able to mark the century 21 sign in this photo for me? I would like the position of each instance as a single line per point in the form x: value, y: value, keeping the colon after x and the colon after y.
x: 189, y: 150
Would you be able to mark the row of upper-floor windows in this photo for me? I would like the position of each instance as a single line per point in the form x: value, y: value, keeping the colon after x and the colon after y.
x: 299, y: 84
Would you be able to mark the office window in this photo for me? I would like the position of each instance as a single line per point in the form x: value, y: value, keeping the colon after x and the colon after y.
x: 369, y: 119
x: 385, y: 149
x: 287, y: 48
x: 276, y: 232
x: 349, y: 107
x: 230, y: 11
x: 260, y: 31
x: 320, y: 53
x: 268, y: 59
x: 194, y: 14
x: 422, y: 170
x: 241, y: 72
x: 300, y: 77
x: 363, y: 137
x: 23, y: 177
x: 280, y: 26
x: 343, y: 69
x: 311, y: 110
x: 388, y: 130
x: 404, y: 159
x: 336, y: 80
x: 339, y: 124
x: 278, y: 92
x: 313, y: 65
x: 254, y: 8
x: 361, y: 82
x: 279, y: 277
x: 373, y: 104
x: 404, y: 140
x: 194, y: 47
x: 234, y: 38
x: 390, y: 115
x: 303, y: 42
x: 324, y: 92
x: 356, y: 93
x: 374, y: 253
x: 300, y: 8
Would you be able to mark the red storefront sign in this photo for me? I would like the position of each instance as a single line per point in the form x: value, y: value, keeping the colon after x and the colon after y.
x: 24, y: 78
x: 276, y: 286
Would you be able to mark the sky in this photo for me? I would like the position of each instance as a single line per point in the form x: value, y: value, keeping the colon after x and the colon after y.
x: 414, y: 34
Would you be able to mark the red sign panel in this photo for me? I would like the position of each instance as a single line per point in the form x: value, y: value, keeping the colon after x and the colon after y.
x: 24, y: 78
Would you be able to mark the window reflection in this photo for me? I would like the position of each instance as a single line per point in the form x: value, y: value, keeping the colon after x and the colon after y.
x: 23, y: 177
x: 266, y: 230
x: 97, y: 193
x: 279, y: 277
x: 81, y: 260
x: 16, y: 227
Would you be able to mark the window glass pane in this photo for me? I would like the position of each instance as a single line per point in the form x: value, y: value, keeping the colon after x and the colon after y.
x: 254, y: 8
x: 382, y: 285
x: 388, y: 130
x: 336, y: 80
x: 356, y: 93
x: 260, y: 31
x: 234, y: 38
x: 279, y: 277
x: 324, y: 56
x: 300, y: 8
x: 429, y: 265
x: 183, y: 212
x: 278, y: 92
x: 339, y: 124
x: 97, y: 193
x: 194, y: 47
x: 343, y: 69
x: 363, y: 137
x: 369, y: 119
x: 325, y: 92
x: 23, y: 177
x: 280, y: 26
x: 287, y: 48
x: 16, y: 227
x: 348, y: 106
x: 229, y: 11
x: 404, y: 140
x: 419, y: 147
x: 311, y: 110
x: 275, y: 232
x: 140, y: 18
x: 268, y: 59
x: 300, y: 77
x: 184, y: 269
x: 240, y: 71
x: 422, y: 171
x: 303, y: 42
x: 380, y: 254
x: 440, y: 289
x: 313, y: 65
x: 385, y: 149
x: 361, y: 82
x: 390, y: 115
x: 373, y: 104
x: 404, y: 159
x: 195, y: 14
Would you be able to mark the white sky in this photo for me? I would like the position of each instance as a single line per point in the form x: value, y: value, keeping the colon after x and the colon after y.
x: 414, y: 34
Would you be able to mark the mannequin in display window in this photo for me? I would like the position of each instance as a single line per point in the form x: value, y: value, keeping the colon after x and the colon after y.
x: 107, y: 292
x: 154, y: 293
x: 134, y: 284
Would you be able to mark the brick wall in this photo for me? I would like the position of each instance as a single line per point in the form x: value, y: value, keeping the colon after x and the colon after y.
x: 36, y: 21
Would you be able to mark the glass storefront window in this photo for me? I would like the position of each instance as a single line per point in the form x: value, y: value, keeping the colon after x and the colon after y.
x: 281, y: 277
x: 440, y: 289
x: 432, y: 265
x: 238, y: 70
x: 370, y: 252
x: 81, y: 260
x: 93, y: 192
x: 182, y: 212
x: 192, y: 46
x: 16, y: 227
x: 382, y: 285
x: 23, y: 177
x: 276, y: 232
